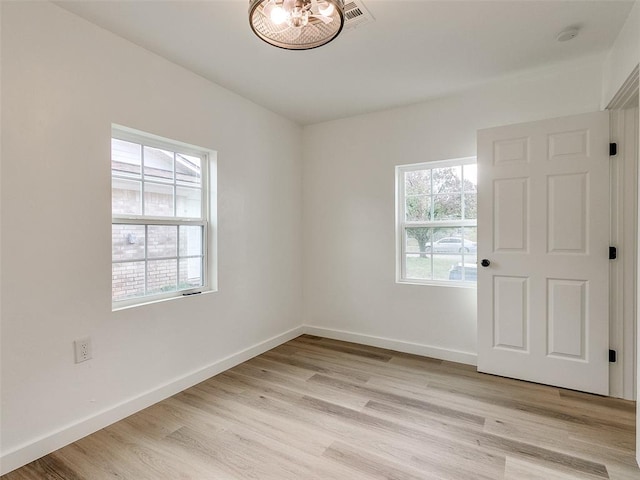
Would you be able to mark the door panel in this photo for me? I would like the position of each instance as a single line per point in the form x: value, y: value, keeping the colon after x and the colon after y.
x: 543, y: 222
x: 567, y: 318
x: 567, y: 219
x: 511, y: 213
x: 511, y: 321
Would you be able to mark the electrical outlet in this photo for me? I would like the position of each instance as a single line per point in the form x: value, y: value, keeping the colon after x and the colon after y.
x: 83, y: 349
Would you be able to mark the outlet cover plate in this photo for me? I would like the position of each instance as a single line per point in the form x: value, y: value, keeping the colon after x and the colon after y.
x: 82, y: 349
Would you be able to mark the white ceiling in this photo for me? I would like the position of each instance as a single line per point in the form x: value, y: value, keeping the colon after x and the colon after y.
x: 413, y: 51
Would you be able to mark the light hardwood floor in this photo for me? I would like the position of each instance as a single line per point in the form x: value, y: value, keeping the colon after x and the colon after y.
x: 321, y: 409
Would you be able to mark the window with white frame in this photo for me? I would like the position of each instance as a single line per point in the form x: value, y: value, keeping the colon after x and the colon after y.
x: 437, y: 222
x: 159, y: 204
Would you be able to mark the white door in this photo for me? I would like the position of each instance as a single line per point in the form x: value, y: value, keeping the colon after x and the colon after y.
x: 543, y: 226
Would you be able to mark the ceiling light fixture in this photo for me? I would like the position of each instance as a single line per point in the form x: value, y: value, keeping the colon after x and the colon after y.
x: 296, y: 24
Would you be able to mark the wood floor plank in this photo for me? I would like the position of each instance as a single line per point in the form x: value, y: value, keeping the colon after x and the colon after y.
x: 233, y: 414
x: 390, y: 439
x: 617, y: 404
x: 350, y: 349
x: 374, y: 467
x: 312, y: 366
x: 374, y: 393
x: 304, y: 388
x: 161, y: 460
x: 322, y: 409
x: 519, y: 469
x: 575, y: 416
x: 46, y: 468
x: 490, y: 443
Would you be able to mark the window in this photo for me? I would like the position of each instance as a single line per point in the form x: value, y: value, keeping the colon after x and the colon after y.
x: 159, y: 205
x: 437, y: 222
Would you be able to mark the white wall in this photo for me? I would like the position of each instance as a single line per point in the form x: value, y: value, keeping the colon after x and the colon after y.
x: 348, y: 192
x: 64, y: 81
x: 623, y: 56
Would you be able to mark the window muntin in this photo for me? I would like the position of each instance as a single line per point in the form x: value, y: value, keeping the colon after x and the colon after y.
x: 437, y: 222
x: 159, y: 219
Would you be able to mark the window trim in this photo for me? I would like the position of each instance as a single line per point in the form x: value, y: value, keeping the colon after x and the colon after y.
x: 402, y: 224
x: 207, y: 220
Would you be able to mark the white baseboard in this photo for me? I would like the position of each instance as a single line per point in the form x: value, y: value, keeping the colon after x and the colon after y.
x: 397, y: 345
x: 46, y: 444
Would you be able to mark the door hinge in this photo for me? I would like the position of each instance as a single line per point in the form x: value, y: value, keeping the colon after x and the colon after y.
x: 612, y: 356
x: 613, y: 253
x: 613, y: 149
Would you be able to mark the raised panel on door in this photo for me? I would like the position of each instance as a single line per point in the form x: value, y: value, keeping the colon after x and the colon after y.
x: 567, y: 318
x: 510, y: 327
x: 511, y: 214
x: 568, y: 213
x: 511, y: 151
x: 568, y: 144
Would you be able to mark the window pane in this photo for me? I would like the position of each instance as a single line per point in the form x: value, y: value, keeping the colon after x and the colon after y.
x: 417, y: 267
x: 470, y: 206
x: 190, y: 273
x: 446, y: 240
x: 158, y: 200
x: 190, y: 240
x: 127, y: 280
x: 162, y: 276
x: 447, y: 207
x: 418, y: 209
x: 470, y: 272
x: 447, y: 180
x: 188, y: 169
x: 158, y: 164
x: 470, y: 235
x: 162, y: 241
x: 417, y: 182
x: 125, y: 158
x: 188, y: 202
x: 127, y: 242
x: 470, y: 173
x: 418, y: 240
x: 467, y: 268
x: 447, y: 267
x: 470, y: 254
x: 125, y: 197
x: 454, y: 252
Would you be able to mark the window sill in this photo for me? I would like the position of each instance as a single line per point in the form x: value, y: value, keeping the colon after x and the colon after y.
x: 159, y: 300
x: 435, y: 283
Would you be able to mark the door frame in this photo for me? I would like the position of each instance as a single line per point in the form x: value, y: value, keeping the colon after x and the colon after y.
x: 624, y: 130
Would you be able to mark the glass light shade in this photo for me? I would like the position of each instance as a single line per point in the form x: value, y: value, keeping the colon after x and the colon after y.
x: 277, y: 14
x: 326, y: 9
x: 306, y: 24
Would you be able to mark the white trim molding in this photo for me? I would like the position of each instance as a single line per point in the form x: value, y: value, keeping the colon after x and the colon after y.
x: 439, y: 353
x: 626, y: 96
x: 624, y: 228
